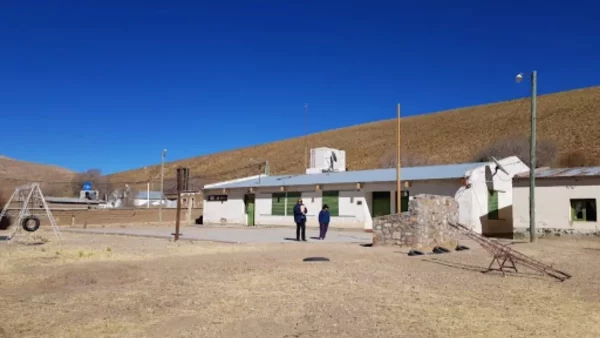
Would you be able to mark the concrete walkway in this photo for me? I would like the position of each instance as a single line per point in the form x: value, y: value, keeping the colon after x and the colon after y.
x: 234, y: 235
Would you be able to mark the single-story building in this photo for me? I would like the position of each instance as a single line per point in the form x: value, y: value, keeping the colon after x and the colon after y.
x: 55, y: 203
x: 566, y: 201
x: 192, y: 196
x: 152, y: 198
x: 355, y: 197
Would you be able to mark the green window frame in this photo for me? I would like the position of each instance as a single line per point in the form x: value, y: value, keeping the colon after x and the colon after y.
x: 278, y: 204
x: 332, y: 199
x: 493, y: 212
x: 583, y: 210
x: 292, y: 198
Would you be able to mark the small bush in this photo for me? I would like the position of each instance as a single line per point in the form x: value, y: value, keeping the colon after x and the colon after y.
x: 577, y: 158
x: 546, y: 151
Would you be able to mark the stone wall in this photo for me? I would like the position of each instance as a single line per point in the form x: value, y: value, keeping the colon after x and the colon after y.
x: 422, y: 227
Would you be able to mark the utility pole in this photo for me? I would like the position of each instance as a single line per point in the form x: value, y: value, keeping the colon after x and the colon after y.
x: 266, y: 164
x: 306, y: 136
x: 398, y: 164
x: 532, y: 232
x: 162, y: 184
x: 177, y: 215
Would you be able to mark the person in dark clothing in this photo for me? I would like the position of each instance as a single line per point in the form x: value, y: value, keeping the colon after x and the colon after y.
x: 300, y: 219
x: 324, y: 218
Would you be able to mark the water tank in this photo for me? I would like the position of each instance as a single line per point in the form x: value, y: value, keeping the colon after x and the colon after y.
x: 87, y: 186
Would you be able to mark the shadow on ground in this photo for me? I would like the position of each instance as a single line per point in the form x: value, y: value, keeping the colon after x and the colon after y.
x: 468, y: 267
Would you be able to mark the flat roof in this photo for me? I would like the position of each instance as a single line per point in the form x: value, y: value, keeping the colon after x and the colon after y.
x: 561, y: 172
x: 53, y: 199
x: 435, y: 172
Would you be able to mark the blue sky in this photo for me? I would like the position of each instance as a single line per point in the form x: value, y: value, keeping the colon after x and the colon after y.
x: 108, y: 84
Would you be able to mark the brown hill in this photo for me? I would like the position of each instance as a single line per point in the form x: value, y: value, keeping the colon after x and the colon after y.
x: 571, y: 120
x: 14, y: 173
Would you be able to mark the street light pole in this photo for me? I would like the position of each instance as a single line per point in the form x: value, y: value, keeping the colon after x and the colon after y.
x: 162, y: 181
x: 532, y: 232
x: 398, y: 163
x: 532, y: 153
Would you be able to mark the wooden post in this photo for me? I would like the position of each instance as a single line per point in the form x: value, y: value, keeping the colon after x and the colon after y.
x: 177, y: 215
x: 398, y: 164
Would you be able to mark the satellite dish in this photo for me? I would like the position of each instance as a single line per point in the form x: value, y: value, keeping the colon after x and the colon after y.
x: 500, y: 166
x: 333, y: 156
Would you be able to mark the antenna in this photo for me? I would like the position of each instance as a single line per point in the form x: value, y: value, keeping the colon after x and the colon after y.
x: 499, y: 166
x: 332, y: 159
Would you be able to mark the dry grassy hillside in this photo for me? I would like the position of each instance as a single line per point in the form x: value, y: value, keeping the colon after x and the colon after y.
x: 14, y: 173
x: 570, y: 119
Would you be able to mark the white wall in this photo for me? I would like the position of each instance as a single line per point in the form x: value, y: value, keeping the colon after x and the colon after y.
x: 473, y: 201
x: 232, y: 211
x: 349, y: 216
x: 355, y: 206
x: 552, y: 203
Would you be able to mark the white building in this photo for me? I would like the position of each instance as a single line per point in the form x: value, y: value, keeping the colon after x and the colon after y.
x: 566, y: 201
x: 355, y: 197
x: 152, y: 199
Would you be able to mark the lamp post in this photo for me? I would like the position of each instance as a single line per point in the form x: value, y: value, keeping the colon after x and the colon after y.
x: 532, y: 149
x: 398, y: 163
x: 162, y: 181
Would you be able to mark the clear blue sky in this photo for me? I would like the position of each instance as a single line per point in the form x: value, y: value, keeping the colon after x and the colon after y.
x: 108, y: 84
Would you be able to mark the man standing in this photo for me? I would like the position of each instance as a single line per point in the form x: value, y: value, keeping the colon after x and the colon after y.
x: 300, y: 219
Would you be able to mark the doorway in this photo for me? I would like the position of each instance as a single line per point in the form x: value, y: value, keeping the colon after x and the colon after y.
x: 381, y: 203
x: 249, y: 203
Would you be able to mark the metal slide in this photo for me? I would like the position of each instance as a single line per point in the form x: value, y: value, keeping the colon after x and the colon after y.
x: 503, y: 254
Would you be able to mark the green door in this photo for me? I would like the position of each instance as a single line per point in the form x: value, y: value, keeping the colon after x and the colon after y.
x: 250, y: 209
x: 381, y: 203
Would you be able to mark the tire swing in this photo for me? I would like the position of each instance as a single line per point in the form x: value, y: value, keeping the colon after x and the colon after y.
x: 26, y: 225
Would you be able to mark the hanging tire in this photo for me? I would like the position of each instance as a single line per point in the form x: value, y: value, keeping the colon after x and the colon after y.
x: 27, y: 227
x: 5, y: 222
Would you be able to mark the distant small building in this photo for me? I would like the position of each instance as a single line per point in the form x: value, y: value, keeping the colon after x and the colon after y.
x: 61, y: 203
x: 154, y: 198
x: 194, y: 197
x: 566, y: 201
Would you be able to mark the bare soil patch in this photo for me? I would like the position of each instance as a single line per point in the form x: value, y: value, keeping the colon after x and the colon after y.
x: 112, y: 286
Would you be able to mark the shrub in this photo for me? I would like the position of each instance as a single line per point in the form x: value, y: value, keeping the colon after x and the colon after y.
x: 577, y: 158
x: 546, y: 151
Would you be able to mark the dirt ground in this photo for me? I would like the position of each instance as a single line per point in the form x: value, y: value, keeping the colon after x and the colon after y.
x: 112, y: 286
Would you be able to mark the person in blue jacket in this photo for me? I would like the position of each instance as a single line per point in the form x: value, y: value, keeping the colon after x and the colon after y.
x: 300, y: 219
x: 323, y: 221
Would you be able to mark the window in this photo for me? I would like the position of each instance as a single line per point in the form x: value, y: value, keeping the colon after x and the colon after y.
x: 292, y: 198
x: 493, y: 212
x: 282, y: 203
x: 584, y: 210
x: 332, y: 199
x: 278, y: 204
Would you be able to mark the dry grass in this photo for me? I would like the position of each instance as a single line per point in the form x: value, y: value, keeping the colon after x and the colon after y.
x: 568, y: 119
x: 104, y: 286
x: 14, y: 173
